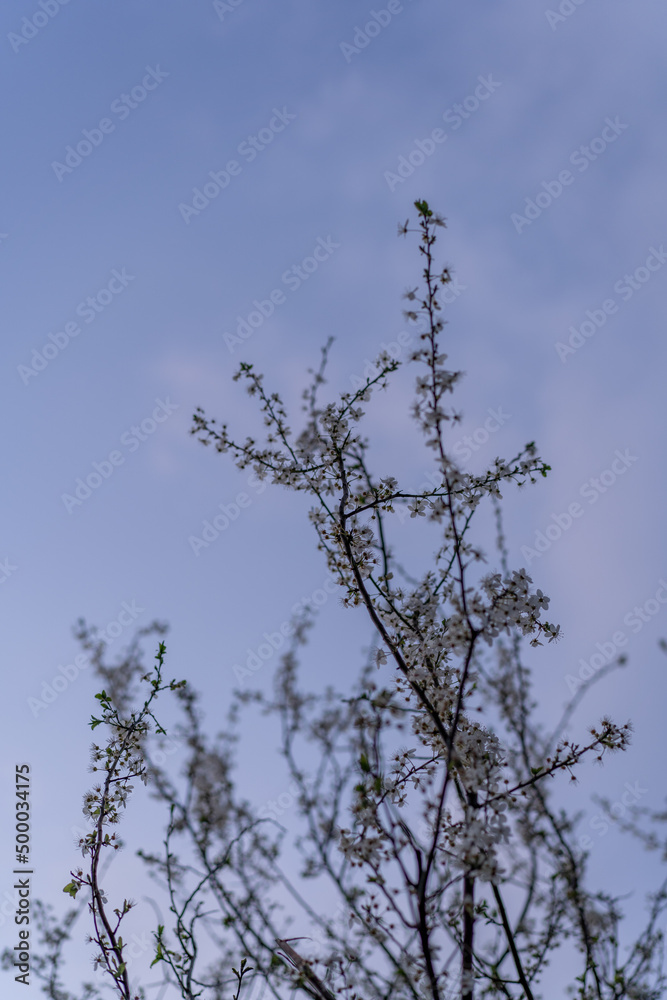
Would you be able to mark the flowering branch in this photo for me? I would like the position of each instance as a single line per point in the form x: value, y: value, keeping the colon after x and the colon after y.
x: 121, y: 761
x: 450, y: 872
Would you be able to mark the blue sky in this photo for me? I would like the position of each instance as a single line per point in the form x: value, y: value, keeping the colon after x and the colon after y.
x: 138, y: 301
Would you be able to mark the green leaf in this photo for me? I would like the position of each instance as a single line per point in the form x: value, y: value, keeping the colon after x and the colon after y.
x: 72, y: 888
x: 363, y: 763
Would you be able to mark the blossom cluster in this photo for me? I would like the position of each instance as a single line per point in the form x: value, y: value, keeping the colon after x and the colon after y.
x: 435, y: 632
